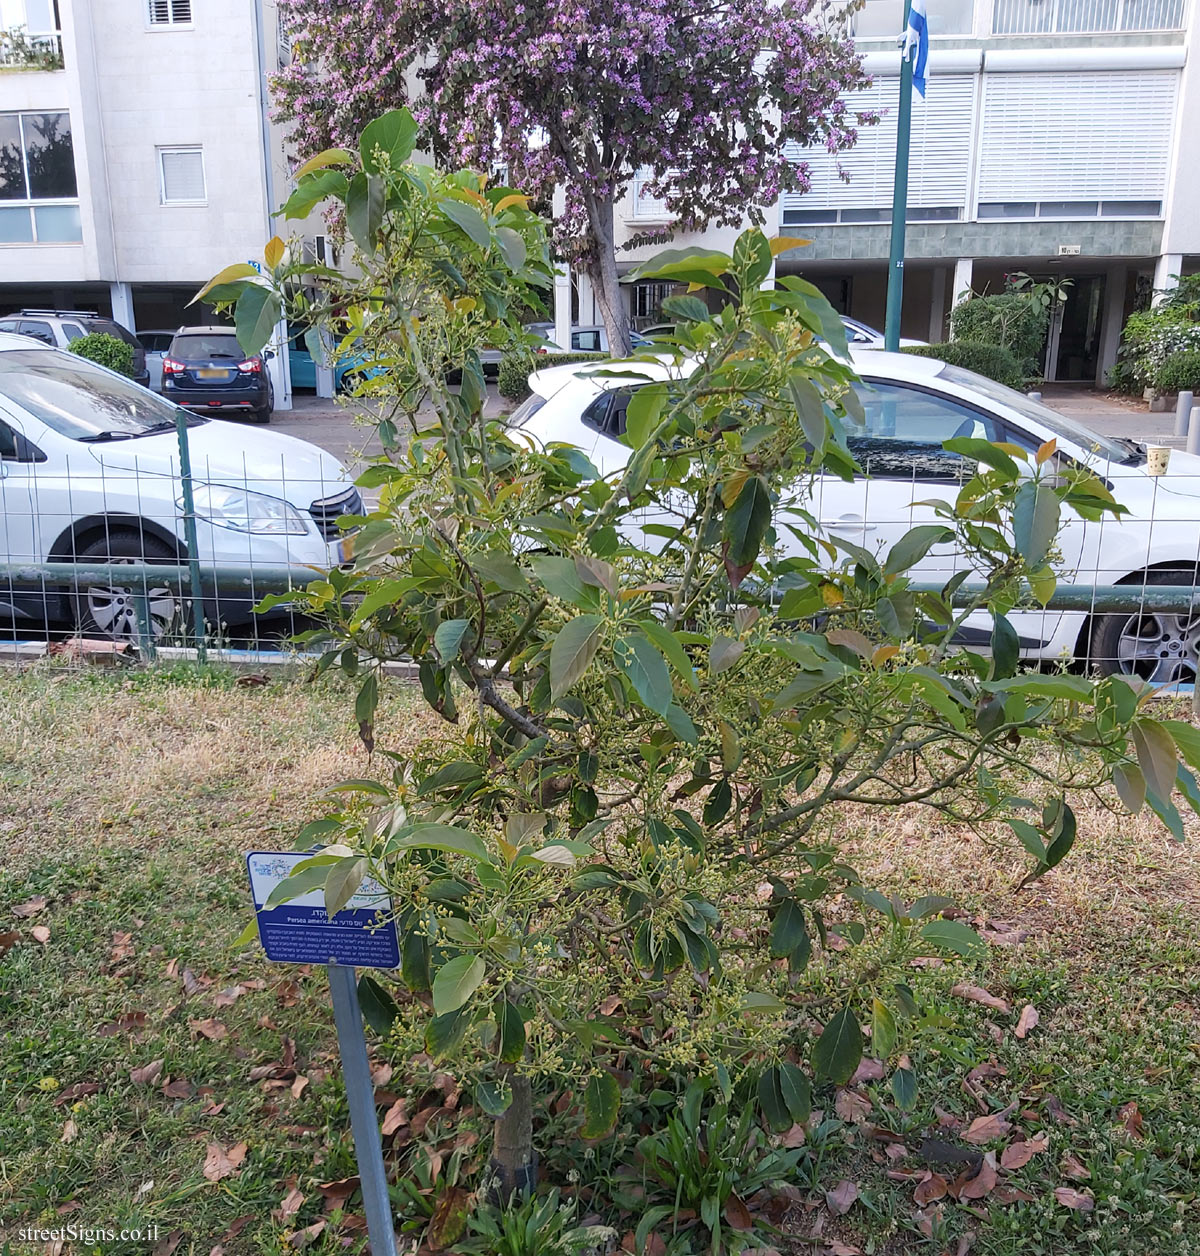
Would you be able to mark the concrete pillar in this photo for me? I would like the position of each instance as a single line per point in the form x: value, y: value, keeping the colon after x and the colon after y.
x: 562, y: 306
x: 1166, y: 272
x: 121, y: 295
x: 587, y: 301
x: 964, y: 269
x: 1112, y: 320
x: 278, y: 367
x: 937, y: 305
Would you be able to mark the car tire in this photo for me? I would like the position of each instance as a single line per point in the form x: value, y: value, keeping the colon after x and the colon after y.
x: 110, y: 611
x: 262, y: 416
x: 1158, y: 647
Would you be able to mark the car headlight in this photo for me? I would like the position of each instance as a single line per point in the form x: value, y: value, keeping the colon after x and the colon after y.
x: 246, y: 512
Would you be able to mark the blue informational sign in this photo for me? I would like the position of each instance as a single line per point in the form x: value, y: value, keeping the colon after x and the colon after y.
x: 301, y: 932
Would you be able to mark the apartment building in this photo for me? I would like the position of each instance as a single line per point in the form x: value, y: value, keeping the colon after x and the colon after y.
x: 136, y: 159
x: 1054, y: 140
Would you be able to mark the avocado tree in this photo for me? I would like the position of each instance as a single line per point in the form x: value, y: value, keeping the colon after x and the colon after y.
x: 662, y: 690
x: 705, y: 98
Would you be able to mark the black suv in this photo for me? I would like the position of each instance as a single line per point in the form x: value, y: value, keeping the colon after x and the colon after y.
x: 205, y: 369
x: 58, y: 328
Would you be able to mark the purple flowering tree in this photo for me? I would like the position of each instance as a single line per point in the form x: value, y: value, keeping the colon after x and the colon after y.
x: 582, y: 96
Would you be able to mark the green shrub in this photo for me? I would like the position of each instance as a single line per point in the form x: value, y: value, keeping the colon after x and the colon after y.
x: 1154, y: 337
x: 107, y: 350
x: 516, y: 368
x: 1008, y: 319
x: 1179, y: 373
x: 991, y: 360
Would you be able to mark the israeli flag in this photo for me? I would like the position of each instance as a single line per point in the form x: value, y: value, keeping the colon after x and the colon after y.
x: 915, y: 45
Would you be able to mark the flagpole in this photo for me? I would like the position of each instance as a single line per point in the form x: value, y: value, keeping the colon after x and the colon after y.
x: 895, y: 288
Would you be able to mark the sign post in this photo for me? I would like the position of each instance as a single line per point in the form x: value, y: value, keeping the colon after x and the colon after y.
x: 363, y: 933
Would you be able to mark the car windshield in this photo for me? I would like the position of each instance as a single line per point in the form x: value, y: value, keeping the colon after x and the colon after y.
x: 206, y: 345
x: 79, y: 400
x: 1107, y: 448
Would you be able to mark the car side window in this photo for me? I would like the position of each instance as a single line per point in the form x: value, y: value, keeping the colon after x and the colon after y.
x: 42, y: 331
x: 72, y: 332
x: 585, y: 341
x: 905, y: 429
x: 596, y: 415
x: 8, y: 441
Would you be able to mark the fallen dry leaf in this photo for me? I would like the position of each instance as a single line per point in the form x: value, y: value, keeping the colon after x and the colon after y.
x: 78, y: 1090
x: 851, y: 1106
x: 794, y: 1137
x: 737, y: 1214
x: 148, y: 1074
x: 211, y: 1029
x: 221, y: 1162
x: 177, y: 1088
x: 381, y: 1074
x: 227, y: 997
x: 1071, y: 1198
x: 122, y: 947
x: 1055, y: 1109
x: 291, y: 1203
x: 8, y: 941
x: 838, y: 1248
x: 869, y: 1070
x: 1016, y: 1155
x: 1005, y: 1194
x: 40, y: 934
x: 252, y: 680
x: 1131, y: 1119
x: 984, y: 1128
x: 212, y: 1109
x: 610, y: 1004
x: 841, y: 1199
x: 164, y: 1247
x: 979, y: 1186
x: 1073, y: 1167
x: 342, y: 1189
x: 31, y: 906
x: 394, y: 1118
x: 1027, y: 1020
x: 977, y: 994
x: 237, y: 1225
x: 931, y: 1187
x: 298, y: 1087
x: 982, y: 1072
x: 70, y: 1132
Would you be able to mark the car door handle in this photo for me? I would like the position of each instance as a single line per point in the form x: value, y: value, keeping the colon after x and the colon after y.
x: 848, y: 523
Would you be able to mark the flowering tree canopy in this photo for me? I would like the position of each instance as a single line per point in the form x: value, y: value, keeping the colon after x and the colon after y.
x: 581, y: 97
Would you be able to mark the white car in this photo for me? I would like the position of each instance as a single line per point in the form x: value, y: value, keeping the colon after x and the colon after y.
x: 912, y: 406
x: 89, y: 471
x: 861, y: 335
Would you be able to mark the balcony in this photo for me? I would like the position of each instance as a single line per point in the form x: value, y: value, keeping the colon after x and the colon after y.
x: 30, y: 35
x: 1085, y: 17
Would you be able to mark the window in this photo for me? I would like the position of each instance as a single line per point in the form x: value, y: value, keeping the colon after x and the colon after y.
x: 607, y: 413
x: 1076, y: 17
x: 169, y: 12
x: 38, y: 195
x: 39, y: 330
x: 8, y: 442
x: 72, y: 332
x: 181, y: 176
x: 904, y: 431
x: 586, y: 341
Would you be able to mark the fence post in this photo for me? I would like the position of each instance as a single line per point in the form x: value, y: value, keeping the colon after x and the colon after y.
x: 1183, y: 414
x: 189, y: 533
x: 1193, y: 436
x: 145, y: 622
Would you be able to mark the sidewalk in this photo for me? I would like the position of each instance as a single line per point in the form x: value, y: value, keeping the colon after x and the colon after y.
x: 1111, y: 414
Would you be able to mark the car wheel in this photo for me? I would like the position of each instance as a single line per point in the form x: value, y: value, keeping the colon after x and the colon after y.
x: 109, y: 610
x: 1159, y: 647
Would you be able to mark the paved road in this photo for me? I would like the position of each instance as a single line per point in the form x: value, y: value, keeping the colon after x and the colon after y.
x: 347, y: 431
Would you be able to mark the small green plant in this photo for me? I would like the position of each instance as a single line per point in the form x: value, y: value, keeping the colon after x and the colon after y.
x: 106, y: 350
x: 705, y: 1166
x: 1009, y: 320
x: 19, y: 52
x: 517, y: 366
x: 537, y: 1225
x: 992, y: 360
x: 1179, y: 373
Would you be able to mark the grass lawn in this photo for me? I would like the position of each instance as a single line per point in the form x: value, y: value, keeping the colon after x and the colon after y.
x: 152, y: 1076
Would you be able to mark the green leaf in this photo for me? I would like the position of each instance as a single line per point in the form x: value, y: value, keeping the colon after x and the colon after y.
x: 788, y: 930
x: 953, y: 935
x: 1187, y: 740
x: 291, y: 887
x: 686, y: 309
x: 469, y: 220
x: 560, y: 578
x: 672, y: 647
x: 680, y: 723
x: 367, y: 700
x: 445, y: 1034
x: 512, y: 245
x: 342, y: 882
x: 456, y: 981
x: 904, y: 1089
x: 883, y: 1030
x: 257, y: 312
x: 510, y: 1037
x: 442, y: 837
x: 314, y: 189
x: 839, y: 1048
x: 913, y: 546
x: 760, y: 1001
x: 447, y: 639
x: 796, y: 1090
x: 1156, y: 756
x: 572, y: 652
x: 1006, y: 648
x: 501, y: 570
x: 983, y: 451
x: 1131, y: 785
x: 647, y: 671
x: 379, y: 1009
x: 1030, y: 838
x: 1063, y: 829
x: 1185, y: 782
x: 771, y: 1101
x: 394, y: 134
x: 746, y: 522
x: 364, y: 210
x: 1069, y: 688
x: 1035, y: 522
x: 250, y: 934
x: 642, y: 416
x: 601, y: 1104
x: 494, y: 1098
x: 723, y: 654
x: 1167, y: 812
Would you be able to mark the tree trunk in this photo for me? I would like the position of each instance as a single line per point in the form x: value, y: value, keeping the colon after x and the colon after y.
x: 514, y: 1162
x: 602, y: 271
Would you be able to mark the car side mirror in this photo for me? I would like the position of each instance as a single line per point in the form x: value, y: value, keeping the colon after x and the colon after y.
x: 268, y: 355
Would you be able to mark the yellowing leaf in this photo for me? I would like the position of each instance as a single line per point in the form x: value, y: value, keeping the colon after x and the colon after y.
x: 328, y: 157
x: 464, y: 305
x: 1047, y: 451
x: 883, y: 654
x: 781, y: 244
x: 239, y: 270
x: 273, y: 253
x: 513, y: 198
x: 831, y: 595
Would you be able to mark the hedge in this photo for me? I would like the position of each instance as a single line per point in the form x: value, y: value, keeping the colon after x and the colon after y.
x: 516, y: 368
x: 1008, y: 319
x: 991, y: 360
x: 1179, y: 373
x: 99, y: 346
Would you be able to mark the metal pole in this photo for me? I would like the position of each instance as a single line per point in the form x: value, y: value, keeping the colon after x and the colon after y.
x: 360, y: 1092
x: 189, y: 533
x: 895, y: 288
x: 1193, y: 435
x: 145, y: 624
x: 1183, y: 414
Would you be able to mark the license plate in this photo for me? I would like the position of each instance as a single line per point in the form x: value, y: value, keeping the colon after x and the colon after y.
x: 208, y: 373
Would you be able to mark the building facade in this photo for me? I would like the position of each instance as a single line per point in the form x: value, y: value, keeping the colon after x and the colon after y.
x: 1057, y: 139
x: 136, y: 159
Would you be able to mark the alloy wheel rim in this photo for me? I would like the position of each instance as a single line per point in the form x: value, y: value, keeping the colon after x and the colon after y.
x: 1161, y: 649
